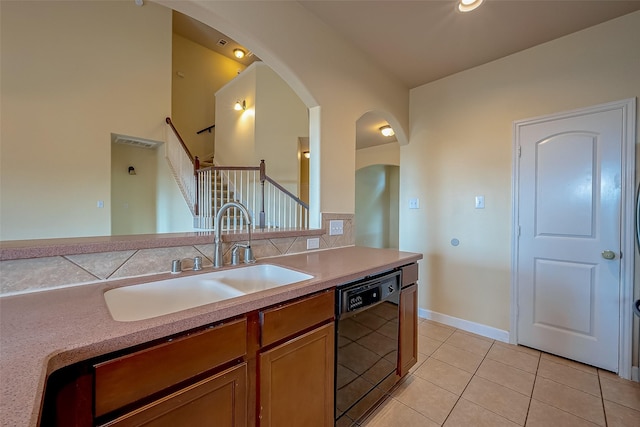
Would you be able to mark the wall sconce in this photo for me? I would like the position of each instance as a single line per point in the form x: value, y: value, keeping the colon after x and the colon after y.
x: 306, y: 154
x: 239, y: 53
x: 387, y: 131
x: 132, y: 170
x: 240, y: 106
x: 469, y: 5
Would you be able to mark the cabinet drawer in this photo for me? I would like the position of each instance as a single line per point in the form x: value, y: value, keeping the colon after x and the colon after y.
x: 129, y: 378
x: 409, y: 274
x: 281, y: 322
x: 220, y: 400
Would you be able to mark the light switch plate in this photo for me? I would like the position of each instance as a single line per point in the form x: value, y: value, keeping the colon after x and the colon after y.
x: 479, y: 202
x: 336, y: 227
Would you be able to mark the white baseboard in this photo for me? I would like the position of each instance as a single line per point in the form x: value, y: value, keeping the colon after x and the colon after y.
x: 635, y: 373
x: 466, y: 325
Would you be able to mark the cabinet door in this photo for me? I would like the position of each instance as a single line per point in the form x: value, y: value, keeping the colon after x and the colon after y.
x: 220, y: 400
x: 408, y: 329
x: 296, y: 381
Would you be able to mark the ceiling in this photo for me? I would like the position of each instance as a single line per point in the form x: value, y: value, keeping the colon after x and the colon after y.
x: 425, y: 40
x: 419, y: 41
x: 212, y: 39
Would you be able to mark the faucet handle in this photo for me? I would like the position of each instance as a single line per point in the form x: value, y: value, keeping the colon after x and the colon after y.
x: 197, y: 263
x: 248, y: 255
x: 235, y: 256
x: 176, y: 266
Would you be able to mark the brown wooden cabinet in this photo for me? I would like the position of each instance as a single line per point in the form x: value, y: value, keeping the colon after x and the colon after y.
x: 408, y: 339
x: 277, y: 363
x: 296, y: 381
x: 134, y: 377
x: 296, y: 365
x: 219, y: 400
x: 196, y: 379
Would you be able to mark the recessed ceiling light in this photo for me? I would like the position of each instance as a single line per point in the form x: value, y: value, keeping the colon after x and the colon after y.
x: 469, y: 5
x: 386, y: 130
x: 239, y: 53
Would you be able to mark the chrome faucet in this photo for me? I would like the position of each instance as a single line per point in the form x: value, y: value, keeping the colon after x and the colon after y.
x: 217, y: 254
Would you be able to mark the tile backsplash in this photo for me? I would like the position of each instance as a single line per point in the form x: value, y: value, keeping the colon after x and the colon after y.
x: 31, y: 274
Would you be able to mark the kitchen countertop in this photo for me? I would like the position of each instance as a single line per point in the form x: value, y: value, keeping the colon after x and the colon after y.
x: 44, y: 331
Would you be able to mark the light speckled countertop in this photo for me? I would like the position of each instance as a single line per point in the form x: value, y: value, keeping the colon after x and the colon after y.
x: 43, y: 331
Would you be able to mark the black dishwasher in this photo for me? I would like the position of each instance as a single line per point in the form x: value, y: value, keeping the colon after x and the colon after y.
x: 367, y: 313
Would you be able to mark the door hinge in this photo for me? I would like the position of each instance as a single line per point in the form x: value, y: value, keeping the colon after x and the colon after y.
x: 518, y: 235
x: 519, y: 151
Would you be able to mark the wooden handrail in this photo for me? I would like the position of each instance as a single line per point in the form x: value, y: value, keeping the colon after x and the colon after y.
x: 184, y: 146
x: 287, y: 192
x: 230, y: 168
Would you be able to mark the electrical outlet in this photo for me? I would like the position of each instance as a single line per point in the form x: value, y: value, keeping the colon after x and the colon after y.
x: 336, y: 227
x: 414, y: 203
x: 313, y: 243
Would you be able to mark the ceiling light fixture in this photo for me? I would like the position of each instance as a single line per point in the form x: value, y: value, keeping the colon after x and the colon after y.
x: 240, y: 106
x: 387, y: 131
x: 239, y: 53
x: 469, y: 5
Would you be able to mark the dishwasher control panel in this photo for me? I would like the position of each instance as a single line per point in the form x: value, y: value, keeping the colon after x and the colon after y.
x: 358, y: 295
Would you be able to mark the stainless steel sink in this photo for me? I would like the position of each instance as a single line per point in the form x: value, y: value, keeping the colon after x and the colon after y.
x: 147, y: 300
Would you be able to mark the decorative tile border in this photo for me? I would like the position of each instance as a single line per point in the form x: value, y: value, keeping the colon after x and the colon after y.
x: 40, y: 273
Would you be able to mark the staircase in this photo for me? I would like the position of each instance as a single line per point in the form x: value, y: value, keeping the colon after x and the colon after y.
x: 207, y: 189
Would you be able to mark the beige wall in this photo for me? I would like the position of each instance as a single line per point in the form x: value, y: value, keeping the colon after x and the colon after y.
x: 236, y: 130
x: 281, y: 119
x: 71, y: 77
x: 133, y: 197
x: 461, y: 146
x: 386, y: 154
x: 198, y: 73
x: 269, y: 128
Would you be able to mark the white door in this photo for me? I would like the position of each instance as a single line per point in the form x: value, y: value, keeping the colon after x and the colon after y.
x: 569, y: 213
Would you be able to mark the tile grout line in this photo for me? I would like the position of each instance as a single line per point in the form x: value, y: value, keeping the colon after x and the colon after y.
x: 526, y: 417
x: 471, y: 379
x: 562, y: 409
x: 604, y: 411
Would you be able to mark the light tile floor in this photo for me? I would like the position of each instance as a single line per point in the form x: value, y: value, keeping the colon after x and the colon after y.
x: 462, y: 379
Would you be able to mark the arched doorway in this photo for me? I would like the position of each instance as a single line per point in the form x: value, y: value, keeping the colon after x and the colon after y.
x: 377, y: 184
x: 377, y: 190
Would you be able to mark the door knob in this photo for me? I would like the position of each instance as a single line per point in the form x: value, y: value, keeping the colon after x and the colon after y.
x: 608, y: 255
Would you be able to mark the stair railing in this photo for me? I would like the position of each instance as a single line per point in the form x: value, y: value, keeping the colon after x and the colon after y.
x: 280, y: 207
x: 269, y: 203
x: 221, y: 184
x: 207, y: 189
x: 184, y: 167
